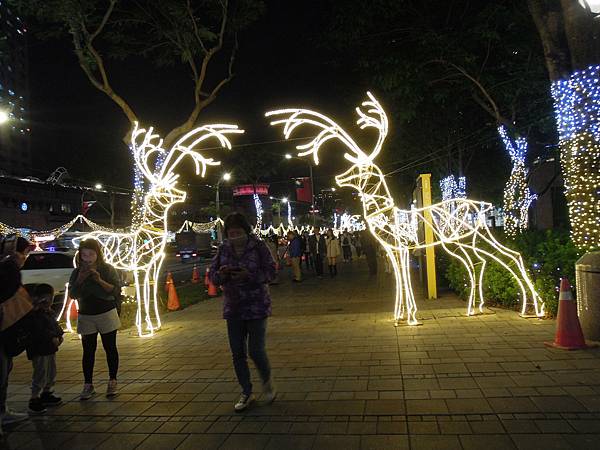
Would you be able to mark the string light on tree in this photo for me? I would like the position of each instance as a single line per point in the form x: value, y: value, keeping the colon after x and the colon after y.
x: 577, y: 109
x: 453, y: 187
x: 141, y: 250
x: 259, y: 211
x: 517, y: 196
x: 468, y: 240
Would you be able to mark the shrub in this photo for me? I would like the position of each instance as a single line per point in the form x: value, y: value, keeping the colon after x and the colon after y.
x: 548, y: 255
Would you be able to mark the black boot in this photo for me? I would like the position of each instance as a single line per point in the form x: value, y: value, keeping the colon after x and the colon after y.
x: 331, y: 271
x: 335, y: 270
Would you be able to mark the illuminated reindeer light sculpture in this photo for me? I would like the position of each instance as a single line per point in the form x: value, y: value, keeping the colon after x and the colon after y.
x: 141, y: 250
x: 458, y: 225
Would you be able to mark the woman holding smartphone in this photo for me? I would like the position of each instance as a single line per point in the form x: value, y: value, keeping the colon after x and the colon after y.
x: 96, y: 286
x: 244, y: 267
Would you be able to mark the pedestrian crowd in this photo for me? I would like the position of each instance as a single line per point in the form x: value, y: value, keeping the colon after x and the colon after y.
x: 315, y: 249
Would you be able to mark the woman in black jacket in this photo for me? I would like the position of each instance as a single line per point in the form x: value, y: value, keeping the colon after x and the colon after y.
x: 96, y: 286
x: 14, y: 306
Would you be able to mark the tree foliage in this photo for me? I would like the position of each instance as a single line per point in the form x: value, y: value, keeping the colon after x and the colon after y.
x: 440, y: 65
x: 201, y: 35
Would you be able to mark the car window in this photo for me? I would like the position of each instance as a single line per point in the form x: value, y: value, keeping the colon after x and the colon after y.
x: 48, y: 261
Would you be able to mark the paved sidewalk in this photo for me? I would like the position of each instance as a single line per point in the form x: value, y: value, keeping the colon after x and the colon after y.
x: 348, y: 379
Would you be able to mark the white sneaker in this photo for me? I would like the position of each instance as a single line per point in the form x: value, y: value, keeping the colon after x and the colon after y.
x: 87, y: 392
x: 111, y: 389
x: 269, y: 392
x: 13, y: 417
x: 243, y: 402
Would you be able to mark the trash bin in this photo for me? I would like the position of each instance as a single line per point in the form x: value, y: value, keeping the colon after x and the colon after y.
x: 587, y: 275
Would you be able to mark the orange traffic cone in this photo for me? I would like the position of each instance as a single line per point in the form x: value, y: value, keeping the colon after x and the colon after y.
x: 206, y: 280
x: 73, y: 313
x: 173, y: 301
x: 195, y: 275
x: 568, y: 329
x: 168, y: 281
x: 212, y: 289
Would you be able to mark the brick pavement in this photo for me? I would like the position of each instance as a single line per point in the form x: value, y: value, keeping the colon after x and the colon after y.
x: 347, y: 379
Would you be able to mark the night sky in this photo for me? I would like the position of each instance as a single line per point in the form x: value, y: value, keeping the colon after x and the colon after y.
x: 279, y: 64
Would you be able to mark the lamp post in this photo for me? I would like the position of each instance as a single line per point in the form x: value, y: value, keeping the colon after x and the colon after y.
x: 312, y: 185
x: 226, y: 177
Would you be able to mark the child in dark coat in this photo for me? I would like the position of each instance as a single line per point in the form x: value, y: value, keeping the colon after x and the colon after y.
x: 45, y: 340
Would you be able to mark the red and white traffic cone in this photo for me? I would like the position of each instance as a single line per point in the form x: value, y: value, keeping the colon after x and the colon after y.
x: 568, y: 329
x: 195, y: 275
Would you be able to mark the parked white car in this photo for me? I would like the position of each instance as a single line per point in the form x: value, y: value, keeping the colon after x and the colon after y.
x: 53, y: 268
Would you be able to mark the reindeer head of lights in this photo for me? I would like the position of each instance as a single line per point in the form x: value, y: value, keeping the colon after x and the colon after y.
x: 141, y: 250
x: 458, y: 225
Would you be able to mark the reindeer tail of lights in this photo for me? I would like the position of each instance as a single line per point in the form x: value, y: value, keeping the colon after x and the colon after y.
x: 141, y: 250
x: 458, y: 225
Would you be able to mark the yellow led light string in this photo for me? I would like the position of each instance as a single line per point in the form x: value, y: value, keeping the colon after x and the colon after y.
x: 141, y: 250
x: 396, y: 229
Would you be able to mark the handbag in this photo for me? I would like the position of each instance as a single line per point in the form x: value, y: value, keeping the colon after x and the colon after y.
x: 15, y: 308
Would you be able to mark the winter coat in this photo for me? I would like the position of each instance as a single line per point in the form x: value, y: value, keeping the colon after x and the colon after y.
x: 312, y: 244
x: 322, y: 246
x: 333, y: 248
x: 15, y: 307
x: 295, y: 248
x: 249, y: 299
x: 45, y: 327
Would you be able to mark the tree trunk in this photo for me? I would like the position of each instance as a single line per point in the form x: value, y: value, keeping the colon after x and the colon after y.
x: 583, y: 35
x: 548, y: 18
x: 571, y: 42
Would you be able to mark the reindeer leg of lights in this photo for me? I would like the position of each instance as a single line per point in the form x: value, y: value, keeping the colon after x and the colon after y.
x: 471, y: 273
x: 523, y: 280
x: 403, y: 259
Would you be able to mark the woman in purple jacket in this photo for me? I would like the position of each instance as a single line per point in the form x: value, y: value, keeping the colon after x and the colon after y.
x: 243, y: 266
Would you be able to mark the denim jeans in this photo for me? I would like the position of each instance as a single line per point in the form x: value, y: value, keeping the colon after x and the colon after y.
x: 6, y: 364
x: 247, y: 337
x: 44, y: 374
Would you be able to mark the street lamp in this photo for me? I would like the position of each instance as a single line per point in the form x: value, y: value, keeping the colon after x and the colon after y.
x: 4, y: 117
x: 98, y: 186
x: 288, y: 156
x: 225, y: 177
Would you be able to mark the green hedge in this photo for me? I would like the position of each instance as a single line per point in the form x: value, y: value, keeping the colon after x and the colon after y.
x: 548, y: 255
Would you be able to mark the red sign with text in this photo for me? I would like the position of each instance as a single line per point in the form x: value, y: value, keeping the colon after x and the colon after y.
x: 251, y: 189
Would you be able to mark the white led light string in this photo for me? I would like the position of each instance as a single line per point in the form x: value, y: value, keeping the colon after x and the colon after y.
x: 452, y: 221
x: 141, y: 250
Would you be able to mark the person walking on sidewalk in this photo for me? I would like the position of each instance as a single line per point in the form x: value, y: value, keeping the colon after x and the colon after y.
x: 243, y: 266
x: 15, y: 305
x: 295, y: 252
x: 96, y: 285
x: 307, y: 254
x: 347, y: 246
x: 41, y: 350
x: 317, y: 258
x: 333, y: 252
x: 369, y: 248
x: 273, y: 243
